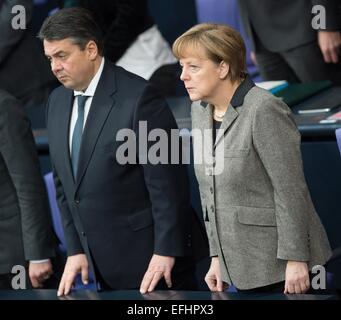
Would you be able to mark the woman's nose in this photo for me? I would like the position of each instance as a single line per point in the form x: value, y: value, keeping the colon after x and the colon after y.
x: 184, y: 74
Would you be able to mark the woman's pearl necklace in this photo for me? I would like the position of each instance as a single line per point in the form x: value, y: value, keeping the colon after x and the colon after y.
x: 218, y: 115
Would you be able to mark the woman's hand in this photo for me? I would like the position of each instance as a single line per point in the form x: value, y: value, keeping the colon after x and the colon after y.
x: 213, y: 277
x: 296, y: 277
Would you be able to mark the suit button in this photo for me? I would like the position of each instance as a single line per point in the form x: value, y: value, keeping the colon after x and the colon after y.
x: 77, y: 201
x: 83, y: 233
x: 211, y: 190
x: 212, y: 208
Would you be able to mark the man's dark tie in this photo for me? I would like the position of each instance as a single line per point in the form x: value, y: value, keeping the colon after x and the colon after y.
x: 77, y: 134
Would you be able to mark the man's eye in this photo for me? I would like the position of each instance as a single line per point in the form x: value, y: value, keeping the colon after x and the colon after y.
x: 193, y: 67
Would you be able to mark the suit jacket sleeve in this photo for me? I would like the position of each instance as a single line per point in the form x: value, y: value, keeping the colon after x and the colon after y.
x: 18, y: 151
x: 333, y: 13
x: 10, y: 37
x: 277, y: 141
x: 167, y: 183
x: 73, y: 244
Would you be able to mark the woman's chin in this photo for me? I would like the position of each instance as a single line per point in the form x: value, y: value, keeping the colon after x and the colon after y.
x: 194, y: 97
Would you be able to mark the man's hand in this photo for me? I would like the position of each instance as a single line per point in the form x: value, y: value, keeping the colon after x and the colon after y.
x: 330, y: 45
x: 39, y: 272
x: 74, y: 265
x: 159, y: 267
x: 296, y: 277
x: 213, y: 277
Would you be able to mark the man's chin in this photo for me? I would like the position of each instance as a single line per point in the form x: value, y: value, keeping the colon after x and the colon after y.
x: 66, y: 84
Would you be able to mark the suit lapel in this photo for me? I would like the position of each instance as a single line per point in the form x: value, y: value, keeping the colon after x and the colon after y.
x: 101, y: 105
x: 230, y: 116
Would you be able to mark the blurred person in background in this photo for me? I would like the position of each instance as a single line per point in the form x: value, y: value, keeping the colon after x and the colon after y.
x: 286, y: 44
x: 26, y: 236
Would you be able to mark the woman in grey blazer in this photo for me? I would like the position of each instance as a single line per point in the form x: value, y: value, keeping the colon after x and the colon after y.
x: 262, y: 226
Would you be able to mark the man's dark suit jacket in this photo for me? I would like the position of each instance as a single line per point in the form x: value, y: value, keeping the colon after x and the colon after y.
x: 119, y: 215
x: 25, y: 225
x: 24, y: 71
x: 285, y: 24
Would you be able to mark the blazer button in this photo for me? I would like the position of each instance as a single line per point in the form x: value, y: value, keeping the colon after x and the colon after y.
x: 83, y: 233
x: 211, y: 190
x: 212, y: 208
x: 77, y: 201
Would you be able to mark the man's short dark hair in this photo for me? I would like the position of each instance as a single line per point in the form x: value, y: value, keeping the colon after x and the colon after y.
x: 75, y: 23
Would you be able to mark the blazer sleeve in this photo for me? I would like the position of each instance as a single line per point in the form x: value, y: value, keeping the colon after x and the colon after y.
x: 17, y: 148
x: 213, y: 248
x: 277, y: 141
x: 167, y: 183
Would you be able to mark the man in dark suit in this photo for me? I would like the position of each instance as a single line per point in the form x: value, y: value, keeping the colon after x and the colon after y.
x: 130, y: 223
x: 24, y: 72
x: 286, y: 43
x: 26, y: 236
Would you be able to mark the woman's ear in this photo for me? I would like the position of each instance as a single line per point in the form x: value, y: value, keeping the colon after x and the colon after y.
x: 224, y: 69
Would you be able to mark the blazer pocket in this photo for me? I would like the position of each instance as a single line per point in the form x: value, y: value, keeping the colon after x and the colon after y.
x: 256, y: 216
x: 141, y: 219
x: 230, y: 153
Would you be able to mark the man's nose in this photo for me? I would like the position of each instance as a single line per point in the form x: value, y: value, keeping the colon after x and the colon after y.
x: 55, y: 66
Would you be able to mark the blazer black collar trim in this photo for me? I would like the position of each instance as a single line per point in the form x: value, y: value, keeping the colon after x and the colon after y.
x: 239, y: 95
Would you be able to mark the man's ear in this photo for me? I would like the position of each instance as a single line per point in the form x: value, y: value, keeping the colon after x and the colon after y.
x: 224, y: 69
x: 92, y: 50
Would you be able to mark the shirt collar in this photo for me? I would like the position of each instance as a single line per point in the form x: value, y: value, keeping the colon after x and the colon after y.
x: 90, y: 91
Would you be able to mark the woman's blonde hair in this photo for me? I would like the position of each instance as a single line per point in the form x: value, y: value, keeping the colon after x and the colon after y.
x: 220, y: 42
